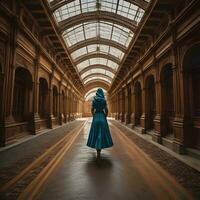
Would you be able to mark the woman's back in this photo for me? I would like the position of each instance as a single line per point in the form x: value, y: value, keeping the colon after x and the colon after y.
x: 99, y: 136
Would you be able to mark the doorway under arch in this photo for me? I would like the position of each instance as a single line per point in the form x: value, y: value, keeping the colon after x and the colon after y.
x: 22, y: 97
x: 150, y: 102
x: 138, y: 102
x: 167, y: 101
x: 191, y: 80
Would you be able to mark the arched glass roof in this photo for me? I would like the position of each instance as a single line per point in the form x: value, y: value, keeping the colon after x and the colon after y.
x: 111, y: 21
x: 97, y: 71
x: 98, y: 29
x: 97, y: 48
x: 97, y: 78
x: 97, y: 61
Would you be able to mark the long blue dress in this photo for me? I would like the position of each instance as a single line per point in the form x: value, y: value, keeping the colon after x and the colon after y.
x: 99, y: 136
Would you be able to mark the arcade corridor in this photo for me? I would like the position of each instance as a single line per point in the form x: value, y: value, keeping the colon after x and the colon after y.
x: 143, y: 54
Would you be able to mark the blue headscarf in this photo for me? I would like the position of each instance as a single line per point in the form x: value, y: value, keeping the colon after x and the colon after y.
x: 100, y: 93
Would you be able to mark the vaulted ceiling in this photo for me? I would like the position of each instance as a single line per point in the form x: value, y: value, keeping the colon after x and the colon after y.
x: 97, y: 34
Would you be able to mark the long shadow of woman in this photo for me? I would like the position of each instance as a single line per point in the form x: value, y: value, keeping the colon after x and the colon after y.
x: 98, y: 170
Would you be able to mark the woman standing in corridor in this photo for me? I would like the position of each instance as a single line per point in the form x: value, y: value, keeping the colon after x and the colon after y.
x: 99, y: 136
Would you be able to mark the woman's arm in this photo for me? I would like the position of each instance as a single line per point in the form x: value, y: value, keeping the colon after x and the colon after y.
x: 106, y: 109
x: 92, y: 109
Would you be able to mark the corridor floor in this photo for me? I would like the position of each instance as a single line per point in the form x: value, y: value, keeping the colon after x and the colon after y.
x: 124, y: 172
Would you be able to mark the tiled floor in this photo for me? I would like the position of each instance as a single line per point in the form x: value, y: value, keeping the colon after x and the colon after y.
x: 123, y: 173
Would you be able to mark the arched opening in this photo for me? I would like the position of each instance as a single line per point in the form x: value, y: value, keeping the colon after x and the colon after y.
x: 1, y: 90
x: 123, y: 106
x: 55, y: 101
x: 63, y: 107
x: 22, y: 95
x: 191, y: 68
x: 138, y: 102
x: 43, y: 98
x: 167, y: 100
x: 129, y: 111
x: 150, y: 102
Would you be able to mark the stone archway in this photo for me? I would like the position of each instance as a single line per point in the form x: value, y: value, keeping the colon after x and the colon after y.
x: 1, y: 90
x: 43, y: 98
x: 22, y: 95
x: 191, y: 81
x: 129, y: 95
x: 150, y: 102
x: 138, y: 102
x: 63, y: 107
x: 55, y: 101
x: 167, y: 101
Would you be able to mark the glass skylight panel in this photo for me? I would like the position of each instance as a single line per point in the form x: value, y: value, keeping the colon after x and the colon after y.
x: 79, y: 52
x: 83, y: 65
x: 124, y: 8
x: 88, y: 5
x: 116, y: 52
x: 74, y: 35
x: 86, y: 74
x: 112, y: 64
x: 97, y: 61
x: 139, y: 15
x: 98, y: 71
x: 109, y: 5
x: 104, y: 48
x: 108, y: 73
x: 105, y: 31
x: 68, y: 10
x: 90, y: 30
x: 97, y: 48
x: 97, y: 78
x: 92, y: 48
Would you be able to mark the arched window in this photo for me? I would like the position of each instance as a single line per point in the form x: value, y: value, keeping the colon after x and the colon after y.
x: 43, y: 98
x: 22, y: 91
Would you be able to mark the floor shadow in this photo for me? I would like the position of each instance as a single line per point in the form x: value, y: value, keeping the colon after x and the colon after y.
x: 103, y: 163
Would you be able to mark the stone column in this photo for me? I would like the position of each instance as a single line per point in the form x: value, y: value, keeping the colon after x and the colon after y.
x: 10, y: 72
x: 118, y: 106
x: 157, y: 119
x: 35, y: 117
x: 67, y: 105
x: 71, y: 105
x: 115, y: 106
x: 180, y: 125
x: 60, y: 105
x: 120, y: 96
x: 143, y: 119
